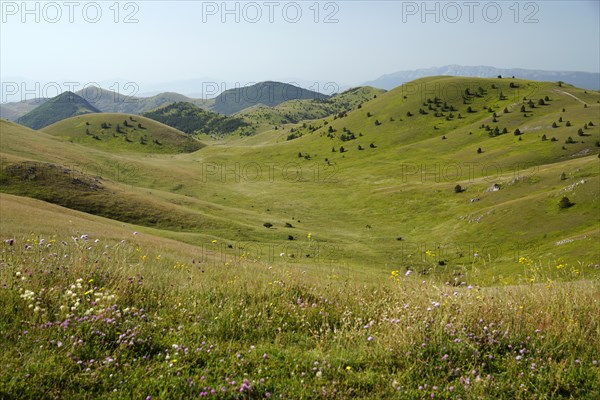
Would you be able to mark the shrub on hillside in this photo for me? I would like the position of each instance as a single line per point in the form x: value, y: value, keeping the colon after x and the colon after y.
x: 565, y: 203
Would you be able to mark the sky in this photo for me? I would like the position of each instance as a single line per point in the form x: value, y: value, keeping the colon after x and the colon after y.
x: 152, y: 43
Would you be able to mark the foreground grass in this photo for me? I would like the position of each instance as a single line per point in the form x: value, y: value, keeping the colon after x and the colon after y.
x: 86, y: 318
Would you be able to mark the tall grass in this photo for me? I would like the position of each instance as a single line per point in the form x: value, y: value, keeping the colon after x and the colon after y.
x: 85, y: 318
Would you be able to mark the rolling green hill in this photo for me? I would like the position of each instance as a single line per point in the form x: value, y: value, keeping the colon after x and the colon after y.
x: 388, y: 199
x: 124, y: 133
x: 406, y: 150
x: 294, y: 111
x: 193, y: 120
x: 65, y: 105
x: 266, y: 93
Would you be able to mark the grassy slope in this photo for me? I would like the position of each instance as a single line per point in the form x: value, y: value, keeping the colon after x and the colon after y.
x: 191, y: 119
x: 157, y: 137
x: 186, y: 319
x: 383, y: 187
x: 357, y: 207
x: 294, y: 111
x: 115, y: 315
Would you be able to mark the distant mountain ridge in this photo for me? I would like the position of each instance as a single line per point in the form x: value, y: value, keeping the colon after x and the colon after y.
x: 14, y: 110
x: 271, y: 93
x: 267, y: 93
x: 113, y: 102
x: 586, y: 80
x: 65, y: 105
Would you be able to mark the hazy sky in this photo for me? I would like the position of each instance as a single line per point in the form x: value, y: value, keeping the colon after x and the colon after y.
x: 348, y: 42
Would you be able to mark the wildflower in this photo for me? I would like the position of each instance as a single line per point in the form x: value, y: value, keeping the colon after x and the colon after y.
x: 136, y: 233
x: 309, y: 236
x: 408, y: 273
x: 348, y: 368
x: 370, y: 338
x: 214, y: 241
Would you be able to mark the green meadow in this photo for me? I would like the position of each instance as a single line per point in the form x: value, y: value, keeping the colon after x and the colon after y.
x: 406, y: 244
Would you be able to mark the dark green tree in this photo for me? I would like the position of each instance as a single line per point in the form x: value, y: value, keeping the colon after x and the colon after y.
x: 565, y: 203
